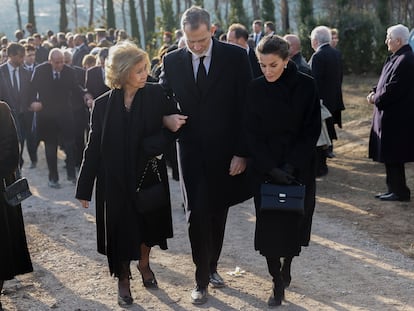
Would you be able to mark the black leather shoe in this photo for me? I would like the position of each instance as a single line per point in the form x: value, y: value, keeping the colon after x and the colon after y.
x: 199, y: 295
x: 151, y: 282
x: 393, y: 197
x: 377, y: 196
x: 216, y: 281
x: 330, y: 155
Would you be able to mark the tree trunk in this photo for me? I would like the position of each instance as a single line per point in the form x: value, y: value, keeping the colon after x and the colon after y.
x: 110, y: 14
x: 284, y: 12
x: 75, y: 14
x: 63, y: 21
x: 19, y: 17
x: 134, y: 22
x: 31, y: 17
x: 90, y: 22
x: 178, y: 7
x: 123, y: 15
x: 143, y: 18
x: 256, y: 9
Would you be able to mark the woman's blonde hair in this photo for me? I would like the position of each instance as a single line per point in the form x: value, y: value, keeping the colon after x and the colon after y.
x: 121, y: 58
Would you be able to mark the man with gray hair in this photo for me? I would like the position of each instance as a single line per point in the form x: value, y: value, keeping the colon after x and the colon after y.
x: 209, y: 80
x: 392, y: 126
x: 326, y: 66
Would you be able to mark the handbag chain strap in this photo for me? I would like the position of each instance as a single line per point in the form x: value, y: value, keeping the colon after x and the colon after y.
x: 154, y: 167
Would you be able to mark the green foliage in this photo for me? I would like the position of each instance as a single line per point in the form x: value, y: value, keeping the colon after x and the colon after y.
x: 167, y: 22
x: 361, y: 41
x: 305, y: 25
x: 237, y: 13
x: 199, y: 3
x: 110, y: 14
x: 305, y: 11
x: 63, y: 20
x: 383, y: 11
x: 268, y: 10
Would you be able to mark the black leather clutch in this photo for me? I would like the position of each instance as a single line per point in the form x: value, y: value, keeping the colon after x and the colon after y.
x: 18, y: 191
x: 284, y: 198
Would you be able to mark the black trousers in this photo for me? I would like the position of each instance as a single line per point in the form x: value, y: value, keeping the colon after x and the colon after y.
x: 395, y: 179
x: 206, y: 231
x: 32, y: 141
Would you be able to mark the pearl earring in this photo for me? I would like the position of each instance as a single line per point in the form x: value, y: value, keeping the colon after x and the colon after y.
x: 285, y: 67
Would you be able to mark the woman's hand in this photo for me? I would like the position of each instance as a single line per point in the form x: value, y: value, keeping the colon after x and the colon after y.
x: 174, y: 122
x: 370, y: 98
x: 84, y: 203
x: 237, y: 165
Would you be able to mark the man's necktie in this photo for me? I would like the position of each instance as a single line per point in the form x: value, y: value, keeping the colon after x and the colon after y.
x: 56, y: 75
x: 201, y: 75
x: 15, y: 85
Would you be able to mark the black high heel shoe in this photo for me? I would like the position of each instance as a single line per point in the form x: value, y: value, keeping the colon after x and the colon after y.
x: 151, y: 282
x: 125, y: 300
x: 278, y: 294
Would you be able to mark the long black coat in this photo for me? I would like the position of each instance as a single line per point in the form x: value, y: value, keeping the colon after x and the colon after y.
x: 14, y: 255
x: 56, y: 98
x: 119, y: 146
x: 392, y: 126
x: 326, y: 65
x: 284, y: 123
x: 214, y: 131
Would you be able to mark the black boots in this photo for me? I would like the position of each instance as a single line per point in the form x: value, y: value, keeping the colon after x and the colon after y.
x: 278, y: 292
x: 285, y: 271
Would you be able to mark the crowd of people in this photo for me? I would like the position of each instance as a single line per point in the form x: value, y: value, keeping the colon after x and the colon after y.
x: 226, y: 116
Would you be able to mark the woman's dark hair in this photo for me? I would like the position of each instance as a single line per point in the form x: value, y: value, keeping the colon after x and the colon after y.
x: 273, y: 45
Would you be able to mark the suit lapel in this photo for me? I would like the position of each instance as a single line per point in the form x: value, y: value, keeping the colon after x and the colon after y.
x: 186, y: 63
x: 215, y: 65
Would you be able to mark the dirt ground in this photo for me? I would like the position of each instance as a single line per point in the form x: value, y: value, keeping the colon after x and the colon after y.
x: 361, y: 256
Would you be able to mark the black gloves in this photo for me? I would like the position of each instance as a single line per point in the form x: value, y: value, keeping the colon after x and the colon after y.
x: 279, y: 176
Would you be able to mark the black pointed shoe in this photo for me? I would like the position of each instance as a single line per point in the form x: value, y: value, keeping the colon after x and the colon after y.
x: 393, y: 197
x: 216, y: 281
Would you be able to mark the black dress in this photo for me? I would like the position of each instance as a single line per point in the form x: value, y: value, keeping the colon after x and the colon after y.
x: 14, y: 255
x: 119, y: 147
x: 284, y: 124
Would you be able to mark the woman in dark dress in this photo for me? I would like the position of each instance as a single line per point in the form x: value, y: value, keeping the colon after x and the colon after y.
x: 284, y: 124
x: 14, y: 255
x: 126, y: 132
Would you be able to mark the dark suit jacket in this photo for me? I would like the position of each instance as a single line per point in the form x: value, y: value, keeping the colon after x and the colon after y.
x: 20, y: 104
x: 254, y: 64
x: 79, y: 54
x: 56, y: 99
x: 326, y: 65
x: 42, y: 54
x: 393, y: 127
x: 214, y: 132
x: 301, y: 63
x: 94, y: 82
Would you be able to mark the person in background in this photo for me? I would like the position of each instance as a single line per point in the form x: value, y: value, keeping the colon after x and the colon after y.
x: 80, y: 50
x: 269, y: 28
x: 208, y: 79
x: 15, y: 90
x: 88, y: 61
x: 335, y: 37
x: 126, y: 132
x: 257, y: 33
x: 237, y: 34
x: 41, y: 51
x: 326, y: 65
x: 390, y: 140
x: 283, y: 126
x: 295, y: 53
x: 95, y: 76
x: 14, y: 254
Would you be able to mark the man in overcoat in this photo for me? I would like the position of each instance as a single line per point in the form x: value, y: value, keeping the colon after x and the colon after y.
x: 53, y: 85
x: 209, y: 81
x: 392, y: 125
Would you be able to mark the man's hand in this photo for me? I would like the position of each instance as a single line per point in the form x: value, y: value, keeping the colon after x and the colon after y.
x: 88, y: 99
x: 237, y: 165
x: 174, y: 122
x: 35, y: 106
x: 370, y: 98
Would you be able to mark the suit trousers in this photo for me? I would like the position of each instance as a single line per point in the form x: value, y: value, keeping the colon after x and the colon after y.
x: 32, y: 141
x: 395, y: 179
x: 206, y: 231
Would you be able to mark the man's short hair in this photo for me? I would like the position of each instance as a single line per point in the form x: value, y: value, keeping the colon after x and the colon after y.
x: 239, y: 31
x: 322, y: 34
x: 14, y: 48
x: 194, y: 17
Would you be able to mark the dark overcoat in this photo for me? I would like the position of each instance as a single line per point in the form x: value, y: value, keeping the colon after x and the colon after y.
x: 56, y: 98
x: 284, y: 123
x: 214, y: 131
x: 392, y: 126
x: 119, y: 147
x: 94, y: 82
x: 14, y: 255
x: 326, y: 65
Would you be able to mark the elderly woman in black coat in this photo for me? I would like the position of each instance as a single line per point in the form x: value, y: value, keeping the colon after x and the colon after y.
x: 126, y: 139
x: 284, y: 124
x: 14, y: 255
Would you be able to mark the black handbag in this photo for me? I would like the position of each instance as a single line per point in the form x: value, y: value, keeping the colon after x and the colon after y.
x: 18, y: 191
x: 284, y: 198
x: 154, y: 196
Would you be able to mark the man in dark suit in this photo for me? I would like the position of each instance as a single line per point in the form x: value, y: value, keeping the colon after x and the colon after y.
x: 53, y: 85
x: 95, y: 76
x: 295, y: 53
x: 209, y: 79
x: 391, y: 137
x: 257, y: 33
x: 14, y: 89
x: 41, y: 52
x: 237, y: 34
x: 326, y: 65
x: 80, y: 50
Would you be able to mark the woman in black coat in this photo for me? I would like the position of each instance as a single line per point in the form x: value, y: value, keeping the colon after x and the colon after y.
x: 14, y: 255
x: 126, y: 132
x: 284, y: 124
